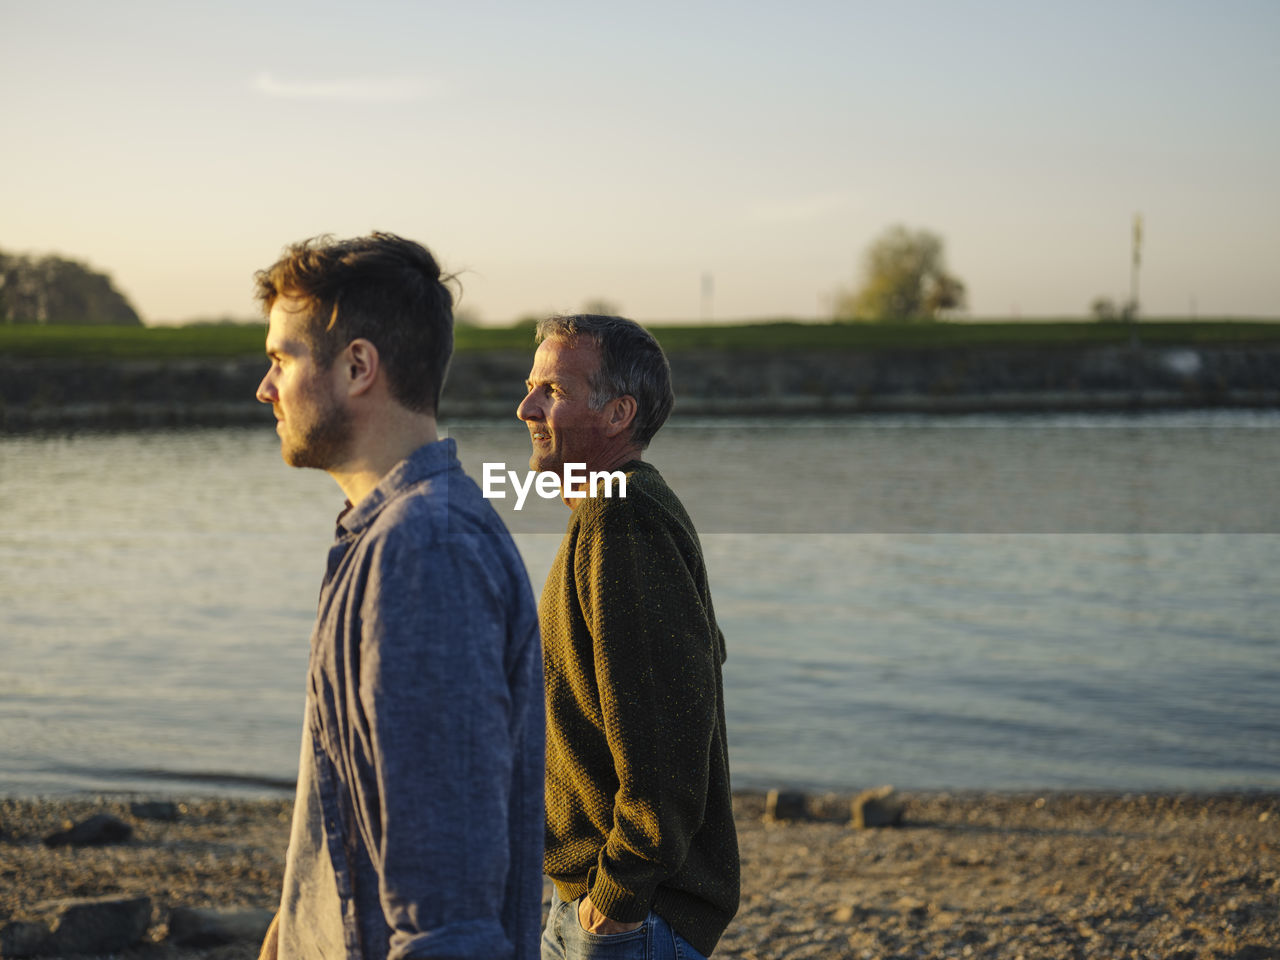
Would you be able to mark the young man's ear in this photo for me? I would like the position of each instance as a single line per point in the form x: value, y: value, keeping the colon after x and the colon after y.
x: 360, y: 366
x: 622, y: 412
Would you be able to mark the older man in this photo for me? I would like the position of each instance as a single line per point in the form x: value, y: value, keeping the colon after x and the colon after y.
x: 417, y: 829
x: 640, y: 840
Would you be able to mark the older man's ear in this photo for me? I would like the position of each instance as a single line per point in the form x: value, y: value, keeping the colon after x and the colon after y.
x: 622, y: 414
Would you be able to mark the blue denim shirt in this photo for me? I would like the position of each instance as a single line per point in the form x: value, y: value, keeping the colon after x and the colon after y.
x: 418, y: 823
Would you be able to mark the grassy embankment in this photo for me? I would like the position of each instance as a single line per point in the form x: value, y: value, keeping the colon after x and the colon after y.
x: 215, y: 342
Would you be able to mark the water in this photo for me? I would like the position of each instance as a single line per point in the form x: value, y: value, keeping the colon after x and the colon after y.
x: 983, y: 602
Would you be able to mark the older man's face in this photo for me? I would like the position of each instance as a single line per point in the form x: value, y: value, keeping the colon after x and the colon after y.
x: 562, y: 425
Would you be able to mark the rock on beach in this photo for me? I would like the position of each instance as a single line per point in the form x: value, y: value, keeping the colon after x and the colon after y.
x: 876, y: 808
x: 1036, y: 876
x: 192, y: 927
x: 98, y: 924
x: 96, y: 830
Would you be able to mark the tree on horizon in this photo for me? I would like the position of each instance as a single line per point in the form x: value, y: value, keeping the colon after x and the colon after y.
x: 53, y: 290
x: 904, y: 279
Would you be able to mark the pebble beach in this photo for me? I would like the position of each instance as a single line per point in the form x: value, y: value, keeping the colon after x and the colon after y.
x: 965, y: 875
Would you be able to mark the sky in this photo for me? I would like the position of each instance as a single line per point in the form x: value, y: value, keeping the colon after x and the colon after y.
x: 683, y: 161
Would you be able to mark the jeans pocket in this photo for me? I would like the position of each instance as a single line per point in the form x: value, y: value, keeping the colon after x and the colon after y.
x: 628, y: 945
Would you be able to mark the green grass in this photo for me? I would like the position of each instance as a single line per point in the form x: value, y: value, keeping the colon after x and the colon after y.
x: 783, y: 335
x: 196, y: 342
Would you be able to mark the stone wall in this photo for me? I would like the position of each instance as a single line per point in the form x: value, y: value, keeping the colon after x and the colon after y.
x: 49, y: 393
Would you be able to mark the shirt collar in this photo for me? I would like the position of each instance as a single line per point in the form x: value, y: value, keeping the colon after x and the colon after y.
x: 425, y: 462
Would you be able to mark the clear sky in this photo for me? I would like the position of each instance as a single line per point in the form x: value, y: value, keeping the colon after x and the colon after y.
x: 563, y: 151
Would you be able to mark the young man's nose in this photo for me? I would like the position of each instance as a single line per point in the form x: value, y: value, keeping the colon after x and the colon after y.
x: 266, y: 390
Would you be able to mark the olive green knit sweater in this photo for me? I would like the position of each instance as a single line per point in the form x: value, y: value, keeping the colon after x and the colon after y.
x: 639, y: 812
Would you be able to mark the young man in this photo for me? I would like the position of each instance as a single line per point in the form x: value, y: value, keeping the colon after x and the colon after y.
x: 418, y: 819
x: 640, y: 837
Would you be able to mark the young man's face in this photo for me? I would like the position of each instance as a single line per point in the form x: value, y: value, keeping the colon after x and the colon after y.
x: 313, y: 424
x: 563, y: 427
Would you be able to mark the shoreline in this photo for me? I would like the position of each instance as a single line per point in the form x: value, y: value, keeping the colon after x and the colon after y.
x: 146, y: 416
x: 821, y: 804
x: 969, y: 873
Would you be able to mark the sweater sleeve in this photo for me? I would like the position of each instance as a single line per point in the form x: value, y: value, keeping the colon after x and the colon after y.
x: 655, y: 657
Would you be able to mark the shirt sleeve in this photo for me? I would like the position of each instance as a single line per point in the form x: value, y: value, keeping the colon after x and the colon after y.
x: 656, y: 667
x: 436, y: 744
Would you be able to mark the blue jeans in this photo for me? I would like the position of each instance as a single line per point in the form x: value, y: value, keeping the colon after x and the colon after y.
x: 564, y: 939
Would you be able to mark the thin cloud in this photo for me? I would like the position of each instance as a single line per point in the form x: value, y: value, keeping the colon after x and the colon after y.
x: 805, y: 209
x: 347, y: 90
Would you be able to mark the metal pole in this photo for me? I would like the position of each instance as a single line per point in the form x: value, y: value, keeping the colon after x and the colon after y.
x: 1135, y: 347
x: 1137, y: 262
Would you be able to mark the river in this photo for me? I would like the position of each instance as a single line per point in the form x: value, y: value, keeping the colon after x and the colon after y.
x: 983, y: 602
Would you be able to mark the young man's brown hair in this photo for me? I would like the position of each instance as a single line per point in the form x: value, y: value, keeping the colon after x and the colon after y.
x: 382, y: 288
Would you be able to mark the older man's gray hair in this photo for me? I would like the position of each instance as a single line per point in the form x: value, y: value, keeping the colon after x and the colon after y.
x: 631, y: 363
